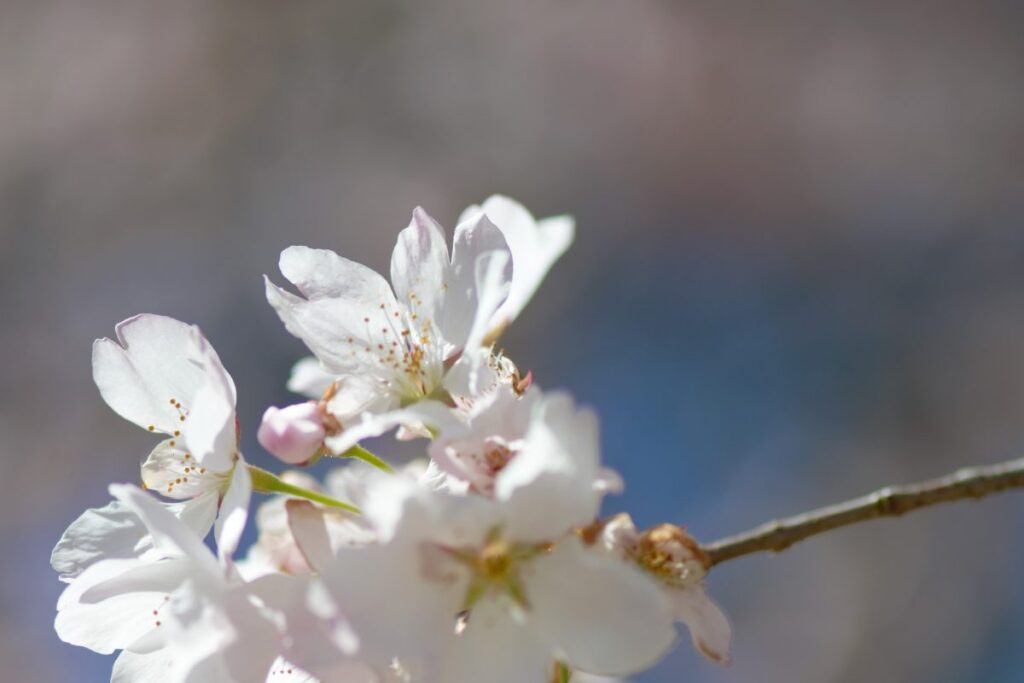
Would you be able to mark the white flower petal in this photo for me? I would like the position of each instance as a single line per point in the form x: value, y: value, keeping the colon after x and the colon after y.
x: 234, y: 511
x: 168, y: 532
x: 605, y: 615
x: 318, y: 640
x: 357, y: 395
x: 152, y: 667
x: 474, y: 235
x: 430, y: 413
x: 347, y: 311
x: 388, y: 603
x: 114, y: 532
x: 709, y: 627
x: 208, y: 668
x: 419, y: 267
x: 492, y: 288
x: 197, y: 513
x: 495, y: 648
x: 321, y: 273
x: 111, y: 532
x: 256, y: 642
x: 173, y: 472
x: 309, y: 378
x: 209, y: 428
x: 402, y: 596
x: 535, y: 246
x: 497, y: 420
x: 282, y: 671
x: 220, y: 635
x: 111, y: 604
x: 147, y: 369
x: 342, y: 332
x: 549, y: 485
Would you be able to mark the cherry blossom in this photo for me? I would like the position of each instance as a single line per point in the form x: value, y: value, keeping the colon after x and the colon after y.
x: 165, y: 377
x: 129, y: 603
x: 506, y: 423
x: 464, y: 588
x: 428, y: 339
x: 180, y: 614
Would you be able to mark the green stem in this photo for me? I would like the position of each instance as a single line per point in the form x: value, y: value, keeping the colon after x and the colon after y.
x: 267, y: 482
x: 360, y: 453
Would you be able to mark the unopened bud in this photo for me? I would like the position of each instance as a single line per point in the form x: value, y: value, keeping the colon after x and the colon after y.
x: 293, y: 434
x: 671, y: 553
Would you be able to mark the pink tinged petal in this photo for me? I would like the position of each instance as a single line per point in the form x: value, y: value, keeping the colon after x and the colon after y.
x: 549, y: 485
x: 309, y: 378
x: 111, y: 604
x: 147, y: 369
x: 306, y: 522
x: 169, y: 533
x: 111, y: 532
x: 602, y: 614
x: 497, y: 648
x: 419, y: 267
x: 293, y: 434
x: 174, y: 472
x: 234, y: 511
x: 475, y: 235
x: 535, y: 246
x: 500, y: 417
x: 709, y: 627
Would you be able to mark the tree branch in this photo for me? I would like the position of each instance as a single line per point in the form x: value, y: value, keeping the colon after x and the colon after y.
x: 891, y: 501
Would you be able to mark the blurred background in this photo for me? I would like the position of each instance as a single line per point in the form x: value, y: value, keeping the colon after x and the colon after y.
x: 798, y: 276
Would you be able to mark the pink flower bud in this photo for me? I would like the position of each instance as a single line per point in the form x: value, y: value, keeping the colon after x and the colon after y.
x: 293, y: 434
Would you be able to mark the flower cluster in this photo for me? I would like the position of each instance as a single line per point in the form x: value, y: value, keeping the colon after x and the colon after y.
x: 486, y: 561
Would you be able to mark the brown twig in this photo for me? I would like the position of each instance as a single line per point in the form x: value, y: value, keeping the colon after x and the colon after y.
x: 891, y: 501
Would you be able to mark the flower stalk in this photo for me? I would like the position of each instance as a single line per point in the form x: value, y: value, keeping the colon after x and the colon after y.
x: 360, y: 453
x: 267, y: 482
